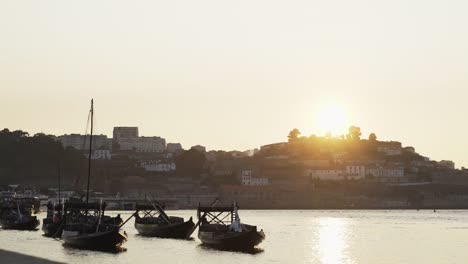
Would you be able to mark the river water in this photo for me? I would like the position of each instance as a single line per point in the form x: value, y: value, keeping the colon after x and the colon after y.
x: 291, y: 237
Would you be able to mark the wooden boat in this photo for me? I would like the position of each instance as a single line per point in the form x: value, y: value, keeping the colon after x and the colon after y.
x: 52, y: 228
x: 85, y: 227
x: 220, y: 227
x: 18, y: 215
x: 156, y: 223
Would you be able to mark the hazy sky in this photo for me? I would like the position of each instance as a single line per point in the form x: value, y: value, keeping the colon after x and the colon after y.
x: 239, y: 74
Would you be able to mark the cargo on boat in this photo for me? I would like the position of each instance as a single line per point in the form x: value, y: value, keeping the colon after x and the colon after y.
x: 52, y: 226
x: 86, y: 227
x: 151, y: 220
x: 18, y: 214
x: 221, y: 227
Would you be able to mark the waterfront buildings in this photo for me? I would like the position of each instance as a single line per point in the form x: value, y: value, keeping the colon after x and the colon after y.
x: 81, y: 142
x: 143, y: 144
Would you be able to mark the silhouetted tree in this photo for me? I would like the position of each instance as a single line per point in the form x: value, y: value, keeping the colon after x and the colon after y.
x: 293, y: 135
x: 354, y: 133
x: 372, y: 137
x: 34, y: 160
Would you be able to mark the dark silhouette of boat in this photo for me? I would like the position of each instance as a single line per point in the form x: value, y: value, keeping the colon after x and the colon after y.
x: 156, y: 223
x: 86, y: 227
x: 85, y: 224
x: 18, y: 214
x: 220, y: 227
x: 52, y: 226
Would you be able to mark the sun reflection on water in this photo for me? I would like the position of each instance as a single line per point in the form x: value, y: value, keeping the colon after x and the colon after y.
x: 333, y: 241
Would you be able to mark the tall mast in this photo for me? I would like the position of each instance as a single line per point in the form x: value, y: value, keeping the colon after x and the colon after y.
x: 90, y: 151
x: 58, y: 173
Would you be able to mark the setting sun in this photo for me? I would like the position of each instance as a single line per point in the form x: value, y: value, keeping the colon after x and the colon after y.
x: 332, y: 118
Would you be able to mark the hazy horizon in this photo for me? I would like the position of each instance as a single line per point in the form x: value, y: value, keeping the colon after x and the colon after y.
x: 237, y: 75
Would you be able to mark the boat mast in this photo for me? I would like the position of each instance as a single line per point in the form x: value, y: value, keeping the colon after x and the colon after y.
x: 58, y: 173
x: 90, y: 152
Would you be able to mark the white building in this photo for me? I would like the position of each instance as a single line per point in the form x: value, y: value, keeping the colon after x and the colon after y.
x: 355, y: 172
x: 101, y: 154
x: 160, y: 167
x: 387, y: 173
x: 81, y: 142
x: 143, y: 144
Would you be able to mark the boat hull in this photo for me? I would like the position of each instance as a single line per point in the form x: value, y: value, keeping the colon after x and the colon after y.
x: 52, y: 229
x: 29, y: 224
x: 105, y: 241
x: 232, y: 240
x: 178, y: 231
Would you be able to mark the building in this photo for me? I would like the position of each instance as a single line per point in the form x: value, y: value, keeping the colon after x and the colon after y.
x: 355, y: 171
x: 174, y: 147
x: 386, y: 173
x: 328, y: 174
x: 275, y: 146
x: 447, y: 164
x: 199, y: 148
x: 247, y: 178
x: 391, y: 148
x: 81, y: 142
x: 101, y: 154
x: 409, y: 150
x: 125, y: 132
x: 159, y: 166
x: 143, y: 144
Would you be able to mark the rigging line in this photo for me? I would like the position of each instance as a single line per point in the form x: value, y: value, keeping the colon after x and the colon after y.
x: 86, y: 131
x: 78, y: 178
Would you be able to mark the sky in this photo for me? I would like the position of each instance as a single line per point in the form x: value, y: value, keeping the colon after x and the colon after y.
x: 239, y: 74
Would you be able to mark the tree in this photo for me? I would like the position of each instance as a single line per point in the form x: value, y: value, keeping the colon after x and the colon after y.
x: 373, y: 137
x: 293, y: 135
x: 354, y: 133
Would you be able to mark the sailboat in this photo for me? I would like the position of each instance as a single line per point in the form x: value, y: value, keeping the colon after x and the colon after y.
x: 86, y: 226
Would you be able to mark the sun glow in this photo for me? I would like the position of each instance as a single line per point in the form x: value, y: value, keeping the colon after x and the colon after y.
x: 332, y: 119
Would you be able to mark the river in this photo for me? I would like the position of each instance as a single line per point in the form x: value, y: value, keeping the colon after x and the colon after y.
x: 292, y: 236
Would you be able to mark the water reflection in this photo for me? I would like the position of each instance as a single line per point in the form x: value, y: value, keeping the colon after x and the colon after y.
x: 252, y: 251
x: 74, y: 251
x: 333, y: 241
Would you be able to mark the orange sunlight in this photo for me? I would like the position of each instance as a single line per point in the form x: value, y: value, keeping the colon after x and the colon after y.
x: 333, y: 119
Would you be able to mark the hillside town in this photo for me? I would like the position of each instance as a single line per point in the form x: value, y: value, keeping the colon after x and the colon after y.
x: 345, y: 172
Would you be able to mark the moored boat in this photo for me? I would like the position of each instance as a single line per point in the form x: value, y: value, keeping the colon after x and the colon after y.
x: 52, y: 226
x: 220, y: 227
x: 85, y: 224
x: 18, y: 215
x: 156, y: 223
x: 86, y: 227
